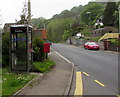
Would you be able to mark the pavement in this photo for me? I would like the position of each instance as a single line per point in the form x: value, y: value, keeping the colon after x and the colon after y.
x: 55, y: 82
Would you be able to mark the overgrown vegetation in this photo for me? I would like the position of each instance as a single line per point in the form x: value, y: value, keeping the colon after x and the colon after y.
x: 5, y: 49
x: 56, y: 28
x: 77, y: 20
x: 68, y: 23
x: 109, y: 17
x: 44, y: 66
x: 95, y: 39
x: 95, y: 11
x: 38, y: 54
x: 12, y: 82
x: 115, y: 42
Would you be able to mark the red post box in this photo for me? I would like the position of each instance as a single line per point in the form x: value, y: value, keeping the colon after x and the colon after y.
x: 46, y: 47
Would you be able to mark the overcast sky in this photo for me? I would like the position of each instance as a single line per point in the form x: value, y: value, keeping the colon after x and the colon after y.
x: 11, y: 9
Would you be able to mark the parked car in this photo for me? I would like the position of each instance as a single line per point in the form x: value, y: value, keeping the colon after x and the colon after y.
x: 91, y: 45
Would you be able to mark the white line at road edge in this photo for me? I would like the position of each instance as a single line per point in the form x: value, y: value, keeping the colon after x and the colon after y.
x: 71, y: 76
x: 62, y: 56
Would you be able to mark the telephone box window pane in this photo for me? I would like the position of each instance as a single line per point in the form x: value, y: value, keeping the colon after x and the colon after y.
x: 21, y: 41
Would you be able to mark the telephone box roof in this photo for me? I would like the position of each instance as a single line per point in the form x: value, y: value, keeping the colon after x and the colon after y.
x: 22, y: 25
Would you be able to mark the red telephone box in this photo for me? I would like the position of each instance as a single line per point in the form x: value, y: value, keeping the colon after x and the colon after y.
x: 46, y: 47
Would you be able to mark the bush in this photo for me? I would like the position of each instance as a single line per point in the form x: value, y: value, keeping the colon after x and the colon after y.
x: 38, y: 55
x: 115, y: 42
x: 95, y: 39
x: 44, y: 66
x: 5, y: 49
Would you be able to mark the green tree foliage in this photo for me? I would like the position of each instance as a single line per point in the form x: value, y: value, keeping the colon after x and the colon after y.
x: 70, y: 22
x: 77, y: 10
x: 95, y: 9
x: 116, y: 21
x: 39, y: 22
x: 86, y: 31
x: 64, y: 14
x: 56, y: 27
x: 73, y: 13
x: 76, y: 27
x: 66, y: 34
x: 5, y: 49
x: 116, y: 15
x: 109, y: 14
x: 38, y: 55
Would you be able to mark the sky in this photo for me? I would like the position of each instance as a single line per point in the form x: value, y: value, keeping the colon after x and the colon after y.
x: 11, y: 9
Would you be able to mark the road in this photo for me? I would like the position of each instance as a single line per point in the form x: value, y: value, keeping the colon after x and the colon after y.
x: 99, y: 68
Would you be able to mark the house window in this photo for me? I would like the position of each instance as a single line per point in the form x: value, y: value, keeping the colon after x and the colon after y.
x: 110, y: 31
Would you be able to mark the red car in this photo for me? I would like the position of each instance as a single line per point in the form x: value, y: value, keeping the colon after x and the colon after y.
x: 91, y: 45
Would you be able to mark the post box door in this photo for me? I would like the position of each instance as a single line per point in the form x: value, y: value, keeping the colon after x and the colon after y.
x: 46, y: 47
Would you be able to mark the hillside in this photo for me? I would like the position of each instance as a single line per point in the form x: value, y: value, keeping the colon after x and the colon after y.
x: 69, y: 22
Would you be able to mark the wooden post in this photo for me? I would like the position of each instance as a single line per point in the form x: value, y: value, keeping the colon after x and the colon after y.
x: 46, y: 55
x: 29, y: 12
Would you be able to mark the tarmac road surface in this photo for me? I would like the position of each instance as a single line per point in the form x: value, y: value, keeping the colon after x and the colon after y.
x: 99, y: 68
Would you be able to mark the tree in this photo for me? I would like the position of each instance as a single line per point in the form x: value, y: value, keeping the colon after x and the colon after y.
x: 67, y: 34
x: 40, y: 22
x: 5, y: 49
x: 56, y: 27
x: 108, y: 17
x: 116, y: 15
x: 95, y: 10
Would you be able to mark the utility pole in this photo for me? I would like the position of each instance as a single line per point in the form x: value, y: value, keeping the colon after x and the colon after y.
x: 119, y: 29
x: 29, y: 12
x: 119, y: 17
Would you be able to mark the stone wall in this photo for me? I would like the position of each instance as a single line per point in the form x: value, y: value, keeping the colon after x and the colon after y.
x: 113, y: 47
x: 100, y: 44
x: 81, y: 42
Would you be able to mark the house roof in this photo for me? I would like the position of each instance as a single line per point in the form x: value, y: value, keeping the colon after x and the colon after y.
x: 109, y: 36
x: 104, y: 28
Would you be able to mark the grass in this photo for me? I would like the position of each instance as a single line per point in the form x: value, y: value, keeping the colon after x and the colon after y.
x: 0, y: 82
x: 12, y: 82
x: 44, y: 66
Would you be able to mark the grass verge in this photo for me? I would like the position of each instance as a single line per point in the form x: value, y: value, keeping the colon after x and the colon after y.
x: 0, y: 82
x: 44, y: 66
x: 12, y: 82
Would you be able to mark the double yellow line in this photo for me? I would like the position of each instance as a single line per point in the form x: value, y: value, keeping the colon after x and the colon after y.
x: 79, y: 85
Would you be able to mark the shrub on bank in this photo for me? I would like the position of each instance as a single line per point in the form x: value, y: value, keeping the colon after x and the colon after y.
x: 38, y: 55
x: 5, y: 48
x: 44, y: 66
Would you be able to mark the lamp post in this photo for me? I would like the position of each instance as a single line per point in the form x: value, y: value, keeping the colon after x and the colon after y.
x: 89, y: 13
